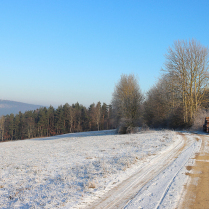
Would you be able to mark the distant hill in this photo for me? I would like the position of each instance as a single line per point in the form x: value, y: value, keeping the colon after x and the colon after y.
x: 8, y: 107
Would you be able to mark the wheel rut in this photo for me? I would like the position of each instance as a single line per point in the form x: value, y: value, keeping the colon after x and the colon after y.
x: 121, y: 194
x: 197, y: 191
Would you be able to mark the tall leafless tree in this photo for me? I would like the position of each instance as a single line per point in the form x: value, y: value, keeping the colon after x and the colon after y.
x: 162, y: 107
x: 187, y: 63
x: 126, y: 100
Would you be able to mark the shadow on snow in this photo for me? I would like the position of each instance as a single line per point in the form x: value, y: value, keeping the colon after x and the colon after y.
x: 79, y: 134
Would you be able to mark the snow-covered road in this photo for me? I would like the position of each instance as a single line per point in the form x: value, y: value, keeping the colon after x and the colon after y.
x: 165, y: 189
x: 153, y: 185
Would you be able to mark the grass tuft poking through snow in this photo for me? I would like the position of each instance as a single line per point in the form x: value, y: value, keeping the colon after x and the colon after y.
x: 73, y: 169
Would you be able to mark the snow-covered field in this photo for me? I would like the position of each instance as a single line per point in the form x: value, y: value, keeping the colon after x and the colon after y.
x: 73, y: 170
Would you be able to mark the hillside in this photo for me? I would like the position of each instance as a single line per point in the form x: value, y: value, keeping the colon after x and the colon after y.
x: 8, y: 107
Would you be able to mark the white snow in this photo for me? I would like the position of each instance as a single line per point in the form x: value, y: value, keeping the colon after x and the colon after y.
x: 165, y: 190
x: 73, y: 170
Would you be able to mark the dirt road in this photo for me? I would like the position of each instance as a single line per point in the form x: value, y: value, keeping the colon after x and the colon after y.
x: 197, y: 190
x: 124, y: 194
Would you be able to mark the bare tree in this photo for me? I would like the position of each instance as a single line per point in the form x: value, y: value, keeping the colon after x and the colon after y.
x: 2, y: 119
x: 159, y: 103
x: 187, y: 64
x: 155, y: 106
x: 126, y: 100
x: 98, y: 111
x: 72, y: 119
x: 163, y: 105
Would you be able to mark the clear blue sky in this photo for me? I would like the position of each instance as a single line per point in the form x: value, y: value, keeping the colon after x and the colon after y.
x: 61, y: 51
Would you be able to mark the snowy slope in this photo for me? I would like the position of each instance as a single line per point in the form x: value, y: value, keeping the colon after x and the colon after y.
x: 73, y: 170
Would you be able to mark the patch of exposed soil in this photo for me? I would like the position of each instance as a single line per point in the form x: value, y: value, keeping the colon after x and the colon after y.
x: 197, y: 194
x: 189, y: 167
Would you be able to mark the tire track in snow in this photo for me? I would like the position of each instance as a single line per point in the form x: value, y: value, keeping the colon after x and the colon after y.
x: 197, y: 190
x: 161, y: 196
x: 186, y: 154
x: 126, y: 190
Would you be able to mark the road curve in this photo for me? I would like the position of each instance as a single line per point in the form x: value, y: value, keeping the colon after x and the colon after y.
x: 196, y: 194
x: 121, y: 194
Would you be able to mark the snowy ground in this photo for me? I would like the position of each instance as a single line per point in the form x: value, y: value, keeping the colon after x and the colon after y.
x: 74, y: 170
x: 166, y: 189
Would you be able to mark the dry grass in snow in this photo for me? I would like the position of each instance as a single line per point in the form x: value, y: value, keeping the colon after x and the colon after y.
x: 72, y: 169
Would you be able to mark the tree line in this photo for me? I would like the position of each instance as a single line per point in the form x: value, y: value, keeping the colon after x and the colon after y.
x: 177, y: 97
x: 173, y: 102
x: 45, y: 122
x: 182, y: 90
